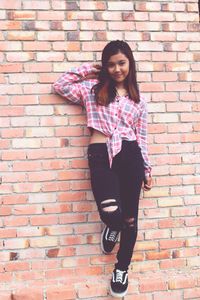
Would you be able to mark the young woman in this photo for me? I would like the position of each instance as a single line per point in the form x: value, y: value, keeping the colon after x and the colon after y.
x: 117, y: 152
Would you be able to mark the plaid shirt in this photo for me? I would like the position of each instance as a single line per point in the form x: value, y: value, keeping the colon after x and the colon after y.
x: 122, y: 119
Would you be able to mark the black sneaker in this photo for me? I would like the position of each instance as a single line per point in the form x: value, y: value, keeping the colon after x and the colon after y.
x: 108, y: 240
x: 119, y: 283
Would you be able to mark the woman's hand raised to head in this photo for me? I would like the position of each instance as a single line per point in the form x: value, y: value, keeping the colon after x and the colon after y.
x: 96, y: 68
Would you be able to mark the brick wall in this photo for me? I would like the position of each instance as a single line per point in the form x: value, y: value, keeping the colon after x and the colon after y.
x: 49, y: 226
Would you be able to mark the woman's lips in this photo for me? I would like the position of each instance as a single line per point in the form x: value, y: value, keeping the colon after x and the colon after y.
x: 117, y: 75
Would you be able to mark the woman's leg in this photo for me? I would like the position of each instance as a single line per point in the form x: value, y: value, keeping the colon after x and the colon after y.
x: 130, y: 170
x: 105, y: 186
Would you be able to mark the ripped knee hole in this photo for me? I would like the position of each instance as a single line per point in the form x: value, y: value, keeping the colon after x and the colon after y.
x: 109, y: 205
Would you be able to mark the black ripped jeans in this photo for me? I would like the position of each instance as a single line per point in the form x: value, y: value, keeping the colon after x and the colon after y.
x: 122, y: 183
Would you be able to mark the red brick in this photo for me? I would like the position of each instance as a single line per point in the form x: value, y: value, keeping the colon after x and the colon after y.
x: 92, y: 290
x: 91, y: 5
x: 10, y: 68
x: 190, y: 242
x: 71, y: 175
x: 50, y: 36
x: 17, y: 56
x: 183, y: 211
x: 182, y: 282
x: 12, y: 4
x: 5, y: 210
x: 164, y: 36
x: 36, y: 5
x: 17, y: 266
x: 37, y: 45
x: 177, y: 66
x: 59, y: 208
x: 71, y: 196
x: 10, y: 25
x: 164, y: 77
x: 20, y: 36
x: 194, y: 221
x: 173, y: 264
x: 12, y: 111
x: 21, y: 15
x: 17, y: 243
x: 180, y: 232
x: 190, y: 137
x: 5, y: 295
x: 6, y: 277
x: 157, y: 234
x: 25, y: 210
x: 5, y: 90
x: 170, y: 244
x: 156, y: 87
x: 172, y: 128
x: 8, y: 233
x: 88, y: 25
x: 170, y: 223
x: 194, y: 292
x: 21, y: 100
x: 169, y: 295
x: 147, y: 6
x: 71, y: 218
x: 106, y: 15
x: 59, y: 5
x: 63, y: 293
x: 50, y: 56
x: 147, y: 285
x: 67, y: 46
x: 43, y: 242
x: 38, y: 67
x: 14, y: 199
x: 10, y: 133
x: 158, y: 255
x: 4, y: 101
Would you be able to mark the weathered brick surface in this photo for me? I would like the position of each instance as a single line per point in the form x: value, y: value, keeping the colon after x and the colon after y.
x: 49, y: 225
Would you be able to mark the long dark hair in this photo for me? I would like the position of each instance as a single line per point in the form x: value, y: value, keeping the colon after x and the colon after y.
x: 104, y: 90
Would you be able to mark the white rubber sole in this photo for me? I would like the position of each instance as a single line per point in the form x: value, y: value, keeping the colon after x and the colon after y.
x: 117, y: 295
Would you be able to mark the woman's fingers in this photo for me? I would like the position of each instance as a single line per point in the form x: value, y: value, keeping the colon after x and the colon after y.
x: 148, y: 184
x: 147, y: 187
x: 96, y: 68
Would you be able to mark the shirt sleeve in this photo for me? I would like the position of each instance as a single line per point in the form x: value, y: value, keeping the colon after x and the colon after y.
x: 72, y: 86
x: 141, y: 135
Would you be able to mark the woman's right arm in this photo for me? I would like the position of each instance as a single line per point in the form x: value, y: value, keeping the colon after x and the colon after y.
x: 73, y: 86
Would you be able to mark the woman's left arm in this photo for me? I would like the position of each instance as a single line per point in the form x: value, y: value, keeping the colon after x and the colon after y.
x: 141, y: 135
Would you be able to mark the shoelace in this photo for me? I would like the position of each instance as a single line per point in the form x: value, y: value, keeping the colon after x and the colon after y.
x: 119, y: 276
x: 112, y: 236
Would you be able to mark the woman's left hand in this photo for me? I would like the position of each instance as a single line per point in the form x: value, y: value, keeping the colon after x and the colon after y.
x: 148, y: 183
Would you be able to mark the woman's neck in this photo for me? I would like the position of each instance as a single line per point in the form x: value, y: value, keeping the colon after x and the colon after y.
x: 120, y: 86
x: 121, y: 90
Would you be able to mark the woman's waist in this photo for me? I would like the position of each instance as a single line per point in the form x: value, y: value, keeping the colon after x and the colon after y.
x: 98, y: 137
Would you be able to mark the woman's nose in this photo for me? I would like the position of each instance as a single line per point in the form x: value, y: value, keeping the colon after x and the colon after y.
x: 117, y: 68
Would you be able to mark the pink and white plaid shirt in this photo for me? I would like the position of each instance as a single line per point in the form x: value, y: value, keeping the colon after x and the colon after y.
x: 122, y: 119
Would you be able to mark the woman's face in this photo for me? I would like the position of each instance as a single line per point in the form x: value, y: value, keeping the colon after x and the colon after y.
x: 118, y: 67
